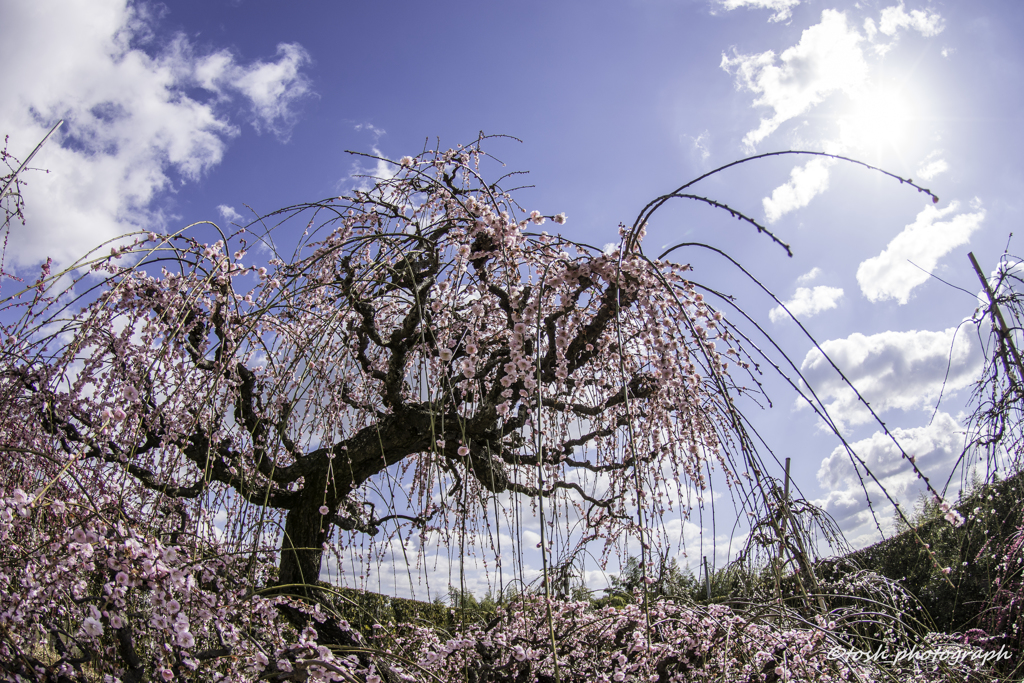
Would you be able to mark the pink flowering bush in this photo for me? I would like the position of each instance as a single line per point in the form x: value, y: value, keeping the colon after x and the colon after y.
x: 1003, y: 619
x: 658, y: 642
x: 82, y: 590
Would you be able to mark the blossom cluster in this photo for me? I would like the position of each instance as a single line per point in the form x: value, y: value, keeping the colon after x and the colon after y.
x: 82, y: 589
x: 657, y: 642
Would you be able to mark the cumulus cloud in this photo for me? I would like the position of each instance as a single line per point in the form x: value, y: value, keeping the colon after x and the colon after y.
x: 783, y: 9
x: 932, y: 166
x: 934, y: 447
x: 828, y: 59
x: 895, y: 18
x: 805, y: 183
x: 138, y: 117
x: 890, y: 275
x: 891, y: 370
x: 808, y: 302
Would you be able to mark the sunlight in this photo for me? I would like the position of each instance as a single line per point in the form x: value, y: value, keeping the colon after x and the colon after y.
x: 879, y: 119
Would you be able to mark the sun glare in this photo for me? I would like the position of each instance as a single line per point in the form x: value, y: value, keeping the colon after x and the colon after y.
x: 881, y: 120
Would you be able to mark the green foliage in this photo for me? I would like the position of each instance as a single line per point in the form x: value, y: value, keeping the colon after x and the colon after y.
x: 671, y: 581
x: 953, y: 601
x: 366, y: 611
x: 466, y: 609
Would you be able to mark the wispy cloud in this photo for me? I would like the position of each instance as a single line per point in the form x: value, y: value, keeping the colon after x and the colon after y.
x: 809, y: 276
x: 805, y: 183
x: 228, y: 213
x: 783, y: 9
x: 932, y: 166
x: 702, y: 145
x: 370, y: 128
x: 828, y: 59
x: 363, y: 177
x: 137, y: 121
x: 891, y: 275
x: 807, y: 302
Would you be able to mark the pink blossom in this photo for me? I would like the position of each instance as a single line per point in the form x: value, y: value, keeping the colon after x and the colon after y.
x: 92, y: 627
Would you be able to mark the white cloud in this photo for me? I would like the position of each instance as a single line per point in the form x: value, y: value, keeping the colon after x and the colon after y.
x: 271, y: 88
x: 136, y: 121
x: 890, y: 275
x: 870, y: 28
x: 363, y: 178
x: 809, y: 276
x: 806, y: 182
x: 895, y: 18
x: 701, y: 145
x: 808, y: 302
x: 931, y: 166
x: 377, y: 132
x: 892, y: 370
x: 827, y: 59
x: 228, y: 213
x: 783, y: 9
x: 935, y: 448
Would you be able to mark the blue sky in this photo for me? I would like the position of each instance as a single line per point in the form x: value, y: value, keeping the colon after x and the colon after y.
x: 191, y: 111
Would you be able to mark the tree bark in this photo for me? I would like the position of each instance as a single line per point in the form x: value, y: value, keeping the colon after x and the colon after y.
x: 305, y: 533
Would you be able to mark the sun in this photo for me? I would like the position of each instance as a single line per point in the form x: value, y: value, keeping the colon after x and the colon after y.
x: 881, y: 120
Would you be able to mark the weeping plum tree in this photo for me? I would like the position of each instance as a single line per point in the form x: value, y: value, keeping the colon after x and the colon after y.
x: 202, y: 414
x: 420, y: 325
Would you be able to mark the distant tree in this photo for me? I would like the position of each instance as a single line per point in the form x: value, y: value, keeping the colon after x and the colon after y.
x: 665, y: 579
